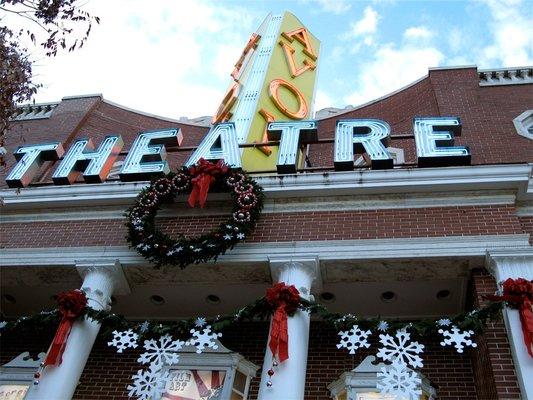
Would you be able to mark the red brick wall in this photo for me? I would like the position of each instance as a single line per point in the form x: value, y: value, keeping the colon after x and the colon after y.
x: 486, y: 114
x: 493, y: 363
x: 333, y: 225
x: 107, y: 373
x: 527, y: 226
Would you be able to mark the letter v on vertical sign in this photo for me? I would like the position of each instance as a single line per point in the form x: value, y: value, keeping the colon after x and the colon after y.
x: 291, y: 135
x: 434, y: 137
x: 220, y: 143
x: 370, y: 136
x: 29, y: 160
x: 147, y: 156
x: 95, y: 165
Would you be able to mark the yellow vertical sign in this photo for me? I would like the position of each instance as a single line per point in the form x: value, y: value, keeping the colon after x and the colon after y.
x: 279, y: 67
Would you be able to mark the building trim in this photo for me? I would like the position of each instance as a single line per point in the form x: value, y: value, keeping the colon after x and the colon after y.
x: 367, y: 249
x: 360, y: 182
x: 505, y: 76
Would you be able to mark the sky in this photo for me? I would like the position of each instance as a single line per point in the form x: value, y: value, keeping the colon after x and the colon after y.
x: 173, y: 58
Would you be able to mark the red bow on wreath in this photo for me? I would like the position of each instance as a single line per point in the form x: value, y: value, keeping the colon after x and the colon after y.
x: 71, y: 305
x: 203, y: 175
x: 285, y: 300
x: 518, y: 293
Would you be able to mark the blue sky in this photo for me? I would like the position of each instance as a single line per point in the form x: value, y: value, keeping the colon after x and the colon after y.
x: 173, y: 58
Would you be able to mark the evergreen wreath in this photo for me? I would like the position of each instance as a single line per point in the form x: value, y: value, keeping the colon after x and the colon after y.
x: 162, y: 249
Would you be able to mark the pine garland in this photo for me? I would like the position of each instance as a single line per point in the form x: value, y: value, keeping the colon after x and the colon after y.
x: 162, y: 249
x: 260, y: 310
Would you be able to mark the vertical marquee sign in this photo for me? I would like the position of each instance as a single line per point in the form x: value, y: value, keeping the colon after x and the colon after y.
x: 273, y: 80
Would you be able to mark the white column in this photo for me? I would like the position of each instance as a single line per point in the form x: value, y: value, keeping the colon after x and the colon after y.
x: 59, y: 383
x: 288, y: 382
x: 515, y: 264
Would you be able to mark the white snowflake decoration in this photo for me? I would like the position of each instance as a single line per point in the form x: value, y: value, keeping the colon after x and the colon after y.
x: 204, y: 339
x: 175, y: 250
x: 200, y: 322
x: 144, y: 326
x: 457, y: 337
x: 354, y: 339
x: 123, y: 340
x: 227, y: 237
x: 401, y: 349
x: 148, y: 384
x: 3, y: 324
x: 398, y: 380
x: 241, y: 236
x: 161, y: 352
x: 383, y: 326
x: 444, y: 322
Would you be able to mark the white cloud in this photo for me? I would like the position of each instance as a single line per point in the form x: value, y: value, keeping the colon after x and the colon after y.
x: 362, y: 31
x: 512, y: 34
x: 171, y: 59
x: 417, y: 33
x: 323, y: 100
x: 328, y: 6
x: 334, y: 6
x: 366, y: 25
x: 455, y: 40
x: 392, y: 68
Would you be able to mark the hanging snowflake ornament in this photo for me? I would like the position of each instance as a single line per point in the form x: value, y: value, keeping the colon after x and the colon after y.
x: 204, y: 339
x: 354, y: 339
x: 200, y: 322
x: 161, y: 352
x: 444, y: 322
x: 400, y: 381
x: 401, y: 349
x: 149, y: 384
x: 144, y: 327
x: 460, y: 338
x: 123, y: 340
x: 383, y: 326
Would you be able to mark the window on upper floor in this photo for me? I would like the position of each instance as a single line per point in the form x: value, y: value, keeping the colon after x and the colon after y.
x: 524, y: 124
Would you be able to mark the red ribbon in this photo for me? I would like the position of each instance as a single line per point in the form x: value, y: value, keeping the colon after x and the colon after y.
x: 518, y: 293
x: 71, y: 305
x: 204, y: 174
x: 285, y: 299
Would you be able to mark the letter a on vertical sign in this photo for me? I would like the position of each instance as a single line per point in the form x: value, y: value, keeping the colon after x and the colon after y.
x: 273, y: 80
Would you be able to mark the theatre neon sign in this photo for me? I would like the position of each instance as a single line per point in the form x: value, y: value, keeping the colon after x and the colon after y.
x: 270, y: 99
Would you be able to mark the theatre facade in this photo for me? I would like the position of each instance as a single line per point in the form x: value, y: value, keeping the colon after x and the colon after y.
x: 393, y: 221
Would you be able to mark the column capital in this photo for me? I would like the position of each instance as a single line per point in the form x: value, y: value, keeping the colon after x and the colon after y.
x: 113, y: 269
x: 309, y: 265
x: 512, y: 263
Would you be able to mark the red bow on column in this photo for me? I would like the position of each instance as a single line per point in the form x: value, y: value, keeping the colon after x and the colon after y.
x: 71, y: 305
x: 518, y: 293
x: 203, y: 175
x: 285, y: 299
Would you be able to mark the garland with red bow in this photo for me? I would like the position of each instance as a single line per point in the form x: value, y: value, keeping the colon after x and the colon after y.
x: 518, y: 294
x: 71, y: 305
x: 162, y: 249
x: 284, y: 300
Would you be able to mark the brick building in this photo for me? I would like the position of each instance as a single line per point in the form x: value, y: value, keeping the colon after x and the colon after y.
x: 405, y: 243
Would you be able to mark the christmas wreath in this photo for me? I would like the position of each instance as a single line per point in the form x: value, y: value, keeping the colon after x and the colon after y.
x: 162, y: 249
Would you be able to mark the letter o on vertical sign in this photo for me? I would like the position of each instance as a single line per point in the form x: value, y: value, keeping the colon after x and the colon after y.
x: 273, y: 90
x: 223, y: 112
